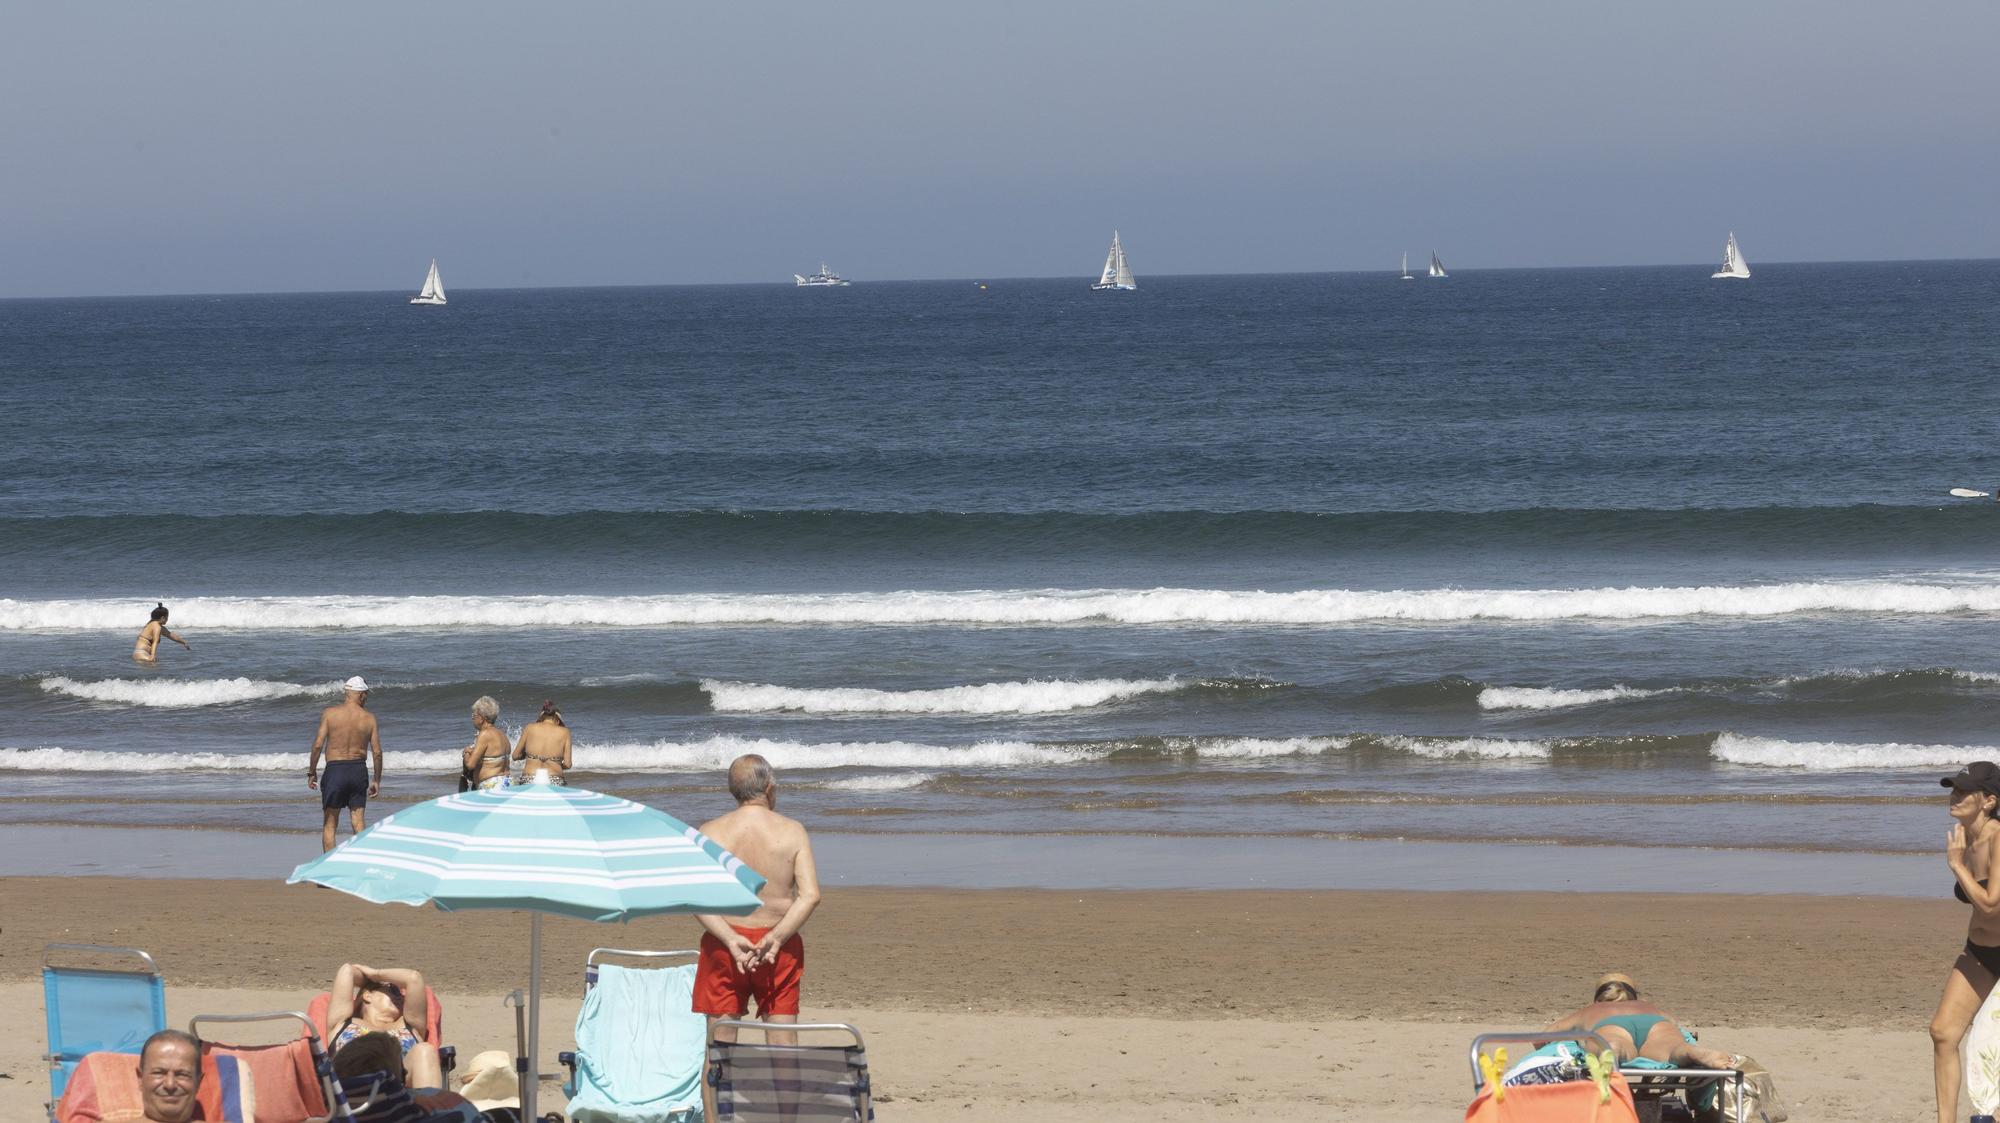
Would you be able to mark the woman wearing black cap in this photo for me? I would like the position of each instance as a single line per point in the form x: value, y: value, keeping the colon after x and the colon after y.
x: 1972, y: 850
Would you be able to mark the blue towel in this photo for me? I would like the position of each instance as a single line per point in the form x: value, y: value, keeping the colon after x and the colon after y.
x: 639, y: 1048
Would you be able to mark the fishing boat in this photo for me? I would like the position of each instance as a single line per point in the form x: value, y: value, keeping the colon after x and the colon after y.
x: 1117, y: 274
x: 1437, y: 267
x: 824, y: 279
x: 1406, y: 266
x: 1733, y: 265
x: 433, y: 292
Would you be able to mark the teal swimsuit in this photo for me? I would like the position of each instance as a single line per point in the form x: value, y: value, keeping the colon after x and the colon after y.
x: 1637, y: 1026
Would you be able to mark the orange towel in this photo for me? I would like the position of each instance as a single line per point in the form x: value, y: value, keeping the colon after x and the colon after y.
x: 105, y: 1089
x: 288, y: 1090
x: 1574, y: 1102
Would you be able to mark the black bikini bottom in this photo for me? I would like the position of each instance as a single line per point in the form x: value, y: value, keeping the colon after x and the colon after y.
x: 1986, y: 957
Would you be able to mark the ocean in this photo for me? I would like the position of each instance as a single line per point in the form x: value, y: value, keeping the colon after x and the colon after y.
x: 1582, y: 557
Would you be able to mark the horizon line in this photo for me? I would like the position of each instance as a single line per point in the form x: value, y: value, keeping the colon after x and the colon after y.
x: 971, y: 279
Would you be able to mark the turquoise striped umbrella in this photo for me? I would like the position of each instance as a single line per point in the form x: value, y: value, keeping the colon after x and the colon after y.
x: 542, y: 848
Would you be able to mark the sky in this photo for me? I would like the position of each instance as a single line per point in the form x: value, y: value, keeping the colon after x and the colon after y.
x: 248, y: 147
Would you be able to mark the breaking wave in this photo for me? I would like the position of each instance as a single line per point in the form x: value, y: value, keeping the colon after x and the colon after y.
x: 181, y: 694
x: 1035, y: 697
x: 1036, y: 607
x: 1832, y: 756
x: 1548, y: 698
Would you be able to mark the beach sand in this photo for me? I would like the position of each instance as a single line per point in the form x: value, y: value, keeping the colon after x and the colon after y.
x: 1006, y: 1004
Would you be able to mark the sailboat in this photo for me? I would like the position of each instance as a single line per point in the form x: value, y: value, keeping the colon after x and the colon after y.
x: 1437, y: 267
x: 1733, y: 265
x: 1406, y: 266
x: 433, y: 288
x: 1117, y: 274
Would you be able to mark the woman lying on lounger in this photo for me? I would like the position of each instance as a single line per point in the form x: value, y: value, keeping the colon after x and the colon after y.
x: 1636, y: 1029
x: 384, y: 1000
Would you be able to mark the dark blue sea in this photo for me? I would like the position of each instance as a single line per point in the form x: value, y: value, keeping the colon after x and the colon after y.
x: 1613, y: 556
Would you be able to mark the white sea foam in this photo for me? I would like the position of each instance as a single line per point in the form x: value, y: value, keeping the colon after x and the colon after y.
x: 1549, y: 698
x: 711, y: 754
x: 1016, y: 607
x: 180, y: 694
x: 1830, y: 756
x: 893, y: 782
x: 1036, y: 697
x: 1479, y: 748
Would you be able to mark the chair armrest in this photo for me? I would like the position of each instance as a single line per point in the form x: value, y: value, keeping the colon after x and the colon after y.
x: 447, y: 1058
x: 567, y: 1059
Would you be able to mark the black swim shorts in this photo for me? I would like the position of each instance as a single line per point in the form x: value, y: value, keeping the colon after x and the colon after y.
x: 345, y: 784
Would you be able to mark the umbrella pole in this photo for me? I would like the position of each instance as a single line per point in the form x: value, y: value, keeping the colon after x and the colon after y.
x: 534, y: 1073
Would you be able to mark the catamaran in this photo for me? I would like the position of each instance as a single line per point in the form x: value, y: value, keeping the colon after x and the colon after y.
x: 1733, y: 265
x: 433, y: 288
x: 1117, y: 274
x: 1437, y: 267
x: 824, y: 279
x: 1406, y: 266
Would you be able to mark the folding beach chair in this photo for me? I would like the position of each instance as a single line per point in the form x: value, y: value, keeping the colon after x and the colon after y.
x: 293, y: 1079
x: 93, y: 1009
x: 639, y: 1043
x: 765, y: 1083
x: 1659, y: 1093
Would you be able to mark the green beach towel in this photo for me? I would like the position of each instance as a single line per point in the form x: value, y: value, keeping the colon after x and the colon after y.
x: 639, y: 1048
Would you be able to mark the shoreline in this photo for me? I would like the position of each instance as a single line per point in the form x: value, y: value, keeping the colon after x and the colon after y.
x: 1089, y: 862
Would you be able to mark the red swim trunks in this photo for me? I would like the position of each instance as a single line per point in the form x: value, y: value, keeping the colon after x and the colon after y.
x: 724, y: 992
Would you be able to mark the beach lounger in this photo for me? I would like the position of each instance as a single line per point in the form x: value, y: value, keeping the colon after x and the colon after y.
x: 1659, y: 1092
x: 104, y: 1088
x: 763, y: 1083
x: 97, y: 1008
x: 433, y: 1024
x: 293, y: 1080
x: 639, y: 1043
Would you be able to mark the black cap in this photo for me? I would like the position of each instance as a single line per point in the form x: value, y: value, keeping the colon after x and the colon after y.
x: 1979, y: 776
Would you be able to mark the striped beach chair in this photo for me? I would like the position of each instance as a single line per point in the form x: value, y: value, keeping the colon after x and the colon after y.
x: 764, y: 1083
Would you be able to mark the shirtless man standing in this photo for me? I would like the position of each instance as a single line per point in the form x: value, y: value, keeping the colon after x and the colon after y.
x: 346, y: 732
x: 761, y: 955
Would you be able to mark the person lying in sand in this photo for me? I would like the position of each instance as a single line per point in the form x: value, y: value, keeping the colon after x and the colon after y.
x: 146, y: 649
x: 543, y: 749
x: 485, y: 759
x: 384, y: 1000
x: 1636, y: 1029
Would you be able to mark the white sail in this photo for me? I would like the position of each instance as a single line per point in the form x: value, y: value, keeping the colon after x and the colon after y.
x: 1406, y: 266
x: 433, y: 290
x: 1437, y: 267
x: 1117, y: 272
x: 1733, y: 265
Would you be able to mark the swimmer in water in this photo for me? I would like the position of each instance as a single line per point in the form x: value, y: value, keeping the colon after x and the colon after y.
x: 147, y: 648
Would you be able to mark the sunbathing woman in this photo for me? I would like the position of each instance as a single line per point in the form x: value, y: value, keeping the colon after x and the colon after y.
x: 485, y: 759
x: 544, y: 747
x: 384, y: 1000
x: 1971, y: 850
x: 1637, y: 1029
x: 146, y: 649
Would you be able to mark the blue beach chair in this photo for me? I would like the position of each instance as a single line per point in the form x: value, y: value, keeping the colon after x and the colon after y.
x: 92, y: 1009
x: 639, y: 1043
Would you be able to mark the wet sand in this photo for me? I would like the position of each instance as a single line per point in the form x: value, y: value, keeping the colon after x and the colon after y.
x: 1114, y: 1005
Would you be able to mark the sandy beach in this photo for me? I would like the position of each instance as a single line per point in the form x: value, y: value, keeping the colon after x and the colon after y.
x: 991, y: 1005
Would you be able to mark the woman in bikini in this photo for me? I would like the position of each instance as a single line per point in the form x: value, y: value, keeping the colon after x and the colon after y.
x: 385, y: 1000
x: 1637, y: 1029
x: 146, y: 649
x: 543, y: 749
x: 1971, y: 850
x: 485, y: 759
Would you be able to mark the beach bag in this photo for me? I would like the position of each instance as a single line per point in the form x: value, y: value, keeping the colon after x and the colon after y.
x: 1578, y: 1101
x: 1760, y: 1095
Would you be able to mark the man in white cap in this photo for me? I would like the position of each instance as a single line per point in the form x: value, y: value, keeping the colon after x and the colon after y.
x: 346, y: 732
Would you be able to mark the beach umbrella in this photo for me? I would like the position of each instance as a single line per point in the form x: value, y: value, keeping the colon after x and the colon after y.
x: 545, y: 849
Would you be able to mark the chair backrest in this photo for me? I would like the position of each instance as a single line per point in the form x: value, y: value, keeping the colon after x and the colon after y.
x: 285, y: 1076
x: 98, y: 1009
x: 433, y: 1020
x: 105, y: 1086
x: 639, y: 1043
x: 763, y: 1083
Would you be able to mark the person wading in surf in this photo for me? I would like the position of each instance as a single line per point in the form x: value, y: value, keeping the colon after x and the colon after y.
x: 347, y: 732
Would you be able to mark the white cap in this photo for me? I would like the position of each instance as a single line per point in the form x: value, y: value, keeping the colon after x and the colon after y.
x: 490, y: 1081
x: 355, y: 685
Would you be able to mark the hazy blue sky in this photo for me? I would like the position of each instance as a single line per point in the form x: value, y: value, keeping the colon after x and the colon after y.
x: 275, y: 146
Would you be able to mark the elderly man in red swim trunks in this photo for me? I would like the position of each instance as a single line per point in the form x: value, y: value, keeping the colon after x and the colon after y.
x: 759, y: 956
